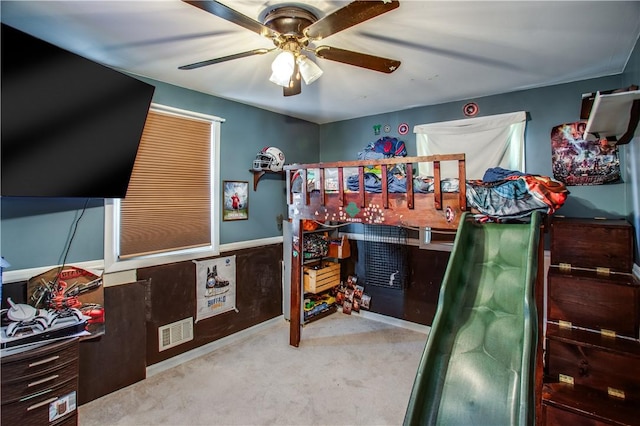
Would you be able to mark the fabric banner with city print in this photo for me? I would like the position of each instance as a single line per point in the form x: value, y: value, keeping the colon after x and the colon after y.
x: 578, y: 160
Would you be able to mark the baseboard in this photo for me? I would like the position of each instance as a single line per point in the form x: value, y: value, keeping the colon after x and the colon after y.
x: 210, y: 347
x: 236, y: 337
x: 425, y: 329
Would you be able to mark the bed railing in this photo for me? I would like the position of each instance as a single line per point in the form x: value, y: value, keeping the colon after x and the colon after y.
x: 384, y: 164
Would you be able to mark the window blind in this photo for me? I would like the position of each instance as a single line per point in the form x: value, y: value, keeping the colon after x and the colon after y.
x: 168, y: 203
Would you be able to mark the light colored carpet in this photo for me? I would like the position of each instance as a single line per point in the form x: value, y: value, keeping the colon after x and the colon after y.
x: 348, y: 370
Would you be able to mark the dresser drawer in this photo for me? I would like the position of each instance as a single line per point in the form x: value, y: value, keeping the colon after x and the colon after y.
x: 37, y: 383
x: 56, y: 406
x: 602, y: 303
x: 564, y: 405
x: 592, y: 243
x: 39, y: 386
x: 608, y: 365
x: 554, y: 416
x: 38, y: 361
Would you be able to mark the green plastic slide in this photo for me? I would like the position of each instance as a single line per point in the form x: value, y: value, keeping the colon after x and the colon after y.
x: 477, y: 367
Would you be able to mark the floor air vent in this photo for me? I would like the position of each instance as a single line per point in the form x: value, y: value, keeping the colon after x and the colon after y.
x: 174, y: 334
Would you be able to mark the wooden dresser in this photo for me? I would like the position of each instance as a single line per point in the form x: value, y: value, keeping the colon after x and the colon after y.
x: 592, y: 347
x: 39, y: 386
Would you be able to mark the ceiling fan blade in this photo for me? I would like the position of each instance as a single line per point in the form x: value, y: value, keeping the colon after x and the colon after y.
x: 295, y: 85
x: 228, y: 14
x: 225, y: 58
x: 375, y: 63
x: 350, y: 15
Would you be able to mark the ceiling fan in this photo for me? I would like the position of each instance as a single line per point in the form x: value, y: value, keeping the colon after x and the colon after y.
x: 292, y: 29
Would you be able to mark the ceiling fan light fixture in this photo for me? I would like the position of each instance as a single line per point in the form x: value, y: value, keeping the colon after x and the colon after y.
x: 292, y: 29
x: 310, y: 70
x: 282, y: 68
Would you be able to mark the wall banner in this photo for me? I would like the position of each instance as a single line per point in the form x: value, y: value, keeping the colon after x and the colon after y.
x: 578, y: 160
x: 215, y: 286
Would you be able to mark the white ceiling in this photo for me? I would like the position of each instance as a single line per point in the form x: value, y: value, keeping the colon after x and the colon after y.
x: 450, y: 50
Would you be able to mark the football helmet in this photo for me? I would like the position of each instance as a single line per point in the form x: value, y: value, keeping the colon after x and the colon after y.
x: 269, y: 158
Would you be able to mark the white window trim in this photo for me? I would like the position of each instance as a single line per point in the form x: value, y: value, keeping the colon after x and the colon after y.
x: 112, y: 262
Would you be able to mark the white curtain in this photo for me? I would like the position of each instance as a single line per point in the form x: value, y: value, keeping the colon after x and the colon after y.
x: 493, y: 141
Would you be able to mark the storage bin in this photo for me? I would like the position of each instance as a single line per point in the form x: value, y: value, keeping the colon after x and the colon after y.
x: 339, y: 248
x: 592, y: 243
x: 608, y: 365
x: 608, y: 304
x: 321, y: 277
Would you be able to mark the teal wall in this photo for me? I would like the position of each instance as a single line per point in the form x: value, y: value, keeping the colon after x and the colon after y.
x: 631, y: 76
x: 247, y: 130
x: 546, y: 107
x: 35, y: 231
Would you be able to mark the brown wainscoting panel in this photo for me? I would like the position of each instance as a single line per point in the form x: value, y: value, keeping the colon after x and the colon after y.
x: 17, y: 291
x: 421, y: 296
x: 118, y: 358
x: 172, y: 297
x: 415, y: 303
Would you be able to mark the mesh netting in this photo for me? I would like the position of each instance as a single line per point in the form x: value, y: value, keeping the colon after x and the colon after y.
x: 385, y: 256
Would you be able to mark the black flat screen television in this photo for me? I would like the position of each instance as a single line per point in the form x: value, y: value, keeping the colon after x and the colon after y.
x: 70, y: 127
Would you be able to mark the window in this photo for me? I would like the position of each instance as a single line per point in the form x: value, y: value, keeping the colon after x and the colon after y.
x: 171, y: 211
x: 492, y: 141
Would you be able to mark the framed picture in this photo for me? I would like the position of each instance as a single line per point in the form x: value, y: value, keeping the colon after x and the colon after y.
x: 235, y: 200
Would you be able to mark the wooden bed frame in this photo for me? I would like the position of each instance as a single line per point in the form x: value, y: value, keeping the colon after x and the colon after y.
x: 437, y: 210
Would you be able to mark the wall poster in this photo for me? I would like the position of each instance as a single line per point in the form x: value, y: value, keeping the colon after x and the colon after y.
x: 235, y: 200
x: 579, y: 161
x: 215, y: 286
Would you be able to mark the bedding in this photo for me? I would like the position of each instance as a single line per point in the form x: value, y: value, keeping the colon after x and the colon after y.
x: 372, y: 180
x: 515, y: 197
x: 501, y: 194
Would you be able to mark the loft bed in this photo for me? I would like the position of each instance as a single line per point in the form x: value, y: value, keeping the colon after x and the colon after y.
x: 442, y: 206
x: 403, y: 201
x: 324, y: 199
x: 393, y: 195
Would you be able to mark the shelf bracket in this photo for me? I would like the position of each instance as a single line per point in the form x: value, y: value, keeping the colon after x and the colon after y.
x: 257, y: 175
x: 613, y: 115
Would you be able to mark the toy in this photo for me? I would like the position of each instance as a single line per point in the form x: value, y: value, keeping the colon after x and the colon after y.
x: 26, y: 319
x: 316, y: 304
